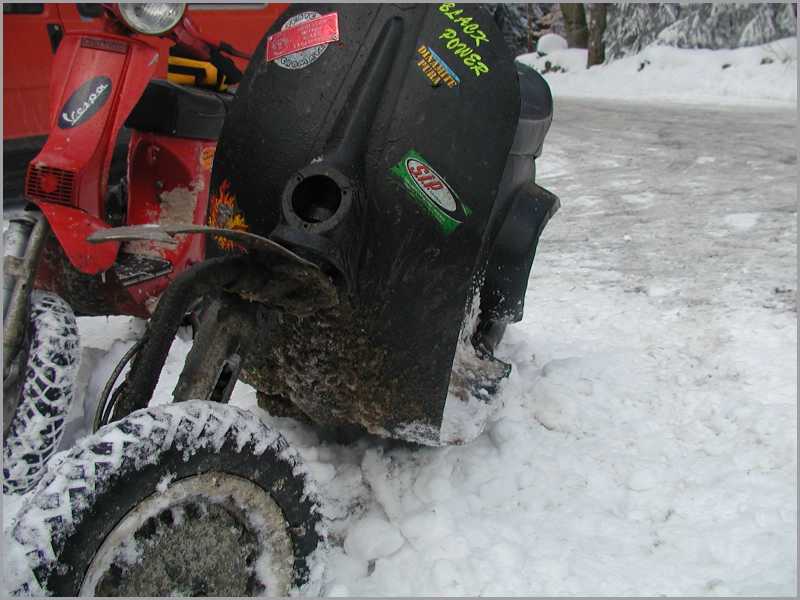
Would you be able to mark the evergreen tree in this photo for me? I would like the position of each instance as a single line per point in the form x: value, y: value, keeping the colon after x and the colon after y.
x: 632, y: 27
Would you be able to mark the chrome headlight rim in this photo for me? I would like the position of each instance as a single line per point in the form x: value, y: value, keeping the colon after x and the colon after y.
x: 137, y: 24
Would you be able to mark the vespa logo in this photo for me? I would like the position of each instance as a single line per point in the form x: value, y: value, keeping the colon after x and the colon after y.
x: 85, y: 102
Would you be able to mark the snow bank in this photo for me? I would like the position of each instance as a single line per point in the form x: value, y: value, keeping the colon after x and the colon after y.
x: 765, y: 74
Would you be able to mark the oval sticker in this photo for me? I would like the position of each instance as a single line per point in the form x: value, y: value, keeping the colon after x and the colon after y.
x: 85, y: 102
x: 430, y: 190
x: 302, y: 58
x: 431, y: 184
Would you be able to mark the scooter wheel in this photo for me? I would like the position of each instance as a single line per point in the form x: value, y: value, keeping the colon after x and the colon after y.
x: 194, y: 498
x: 43, y: 391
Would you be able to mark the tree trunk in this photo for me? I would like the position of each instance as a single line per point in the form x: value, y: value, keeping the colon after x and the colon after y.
x: 575, y: 25
x: 530, y: 28
x: 597, y: 25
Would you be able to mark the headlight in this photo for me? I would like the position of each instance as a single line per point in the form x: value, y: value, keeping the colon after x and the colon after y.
x: 152, y: 18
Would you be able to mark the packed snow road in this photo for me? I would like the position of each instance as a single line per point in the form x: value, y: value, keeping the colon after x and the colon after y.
x: 647, y: 440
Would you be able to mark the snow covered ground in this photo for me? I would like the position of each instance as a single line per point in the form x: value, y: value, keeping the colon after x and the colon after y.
x: 647, y: 442
x: 752, y: 75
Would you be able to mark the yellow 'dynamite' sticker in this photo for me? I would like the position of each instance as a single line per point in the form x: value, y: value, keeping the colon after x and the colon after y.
x: 435, y: 69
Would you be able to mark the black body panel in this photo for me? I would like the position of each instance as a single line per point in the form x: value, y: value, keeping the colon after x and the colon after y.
x: 503, y: 296
x: 523, y: 207
x: 381, y: 159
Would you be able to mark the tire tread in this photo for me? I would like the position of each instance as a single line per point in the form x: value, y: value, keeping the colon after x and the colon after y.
x: 46, y: 393
x: 75, y: 482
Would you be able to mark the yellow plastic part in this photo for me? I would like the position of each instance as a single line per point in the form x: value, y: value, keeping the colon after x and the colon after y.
x: 205, y: 74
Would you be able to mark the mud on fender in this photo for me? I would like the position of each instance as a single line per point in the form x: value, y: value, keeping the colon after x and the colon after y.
x: 371, y: 139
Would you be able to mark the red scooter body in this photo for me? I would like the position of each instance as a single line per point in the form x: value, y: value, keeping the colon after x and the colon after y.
x: 97, y: 80
x: 181, y: 169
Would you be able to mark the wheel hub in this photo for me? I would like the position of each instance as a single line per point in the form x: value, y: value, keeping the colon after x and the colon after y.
x: 213, y: 534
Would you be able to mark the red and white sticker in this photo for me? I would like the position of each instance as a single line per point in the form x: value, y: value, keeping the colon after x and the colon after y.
x: 302, y: 39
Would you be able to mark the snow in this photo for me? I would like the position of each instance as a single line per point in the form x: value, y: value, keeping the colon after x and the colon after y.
x: 465, y: 414
x: 15, y: 569
x: 753, y: 75
x: 645, y: 441
x: 163, y: 484
x: 371, y: 538
x: 742, y: 220
x: 551, y: 42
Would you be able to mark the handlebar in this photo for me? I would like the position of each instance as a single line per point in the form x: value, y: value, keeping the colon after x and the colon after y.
x: 190, y: 42
x: 187, y: 36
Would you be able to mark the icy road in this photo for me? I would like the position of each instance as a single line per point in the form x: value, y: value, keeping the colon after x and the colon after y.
x: 647, y: 442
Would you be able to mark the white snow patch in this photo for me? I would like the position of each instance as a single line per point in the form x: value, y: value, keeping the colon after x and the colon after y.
x: 465, y: 415
x: 765, y: 74
x: 550, y: 42
x: 371, y: 538
x: 640, y: 198
x: 742, y: 221
x: 163, y: 484
x: 551, y: 165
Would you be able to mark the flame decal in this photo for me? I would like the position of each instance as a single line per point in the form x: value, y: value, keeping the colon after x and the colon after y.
x: 226, y: 215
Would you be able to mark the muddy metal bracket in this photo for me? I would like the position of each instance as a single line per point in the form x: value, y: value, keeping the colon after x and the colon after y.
x: 166, y: 233
x: 199, y: 280
x: 23, y: 243
x: 213, y: 364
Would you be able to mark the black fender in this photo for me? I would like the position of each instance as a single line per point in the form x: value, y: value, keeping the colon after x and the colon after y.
x: 511, y: 258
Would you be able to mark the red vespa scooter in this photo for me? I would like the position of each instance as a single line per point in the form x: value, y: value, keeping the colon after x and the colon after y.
x: 102, y: 81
